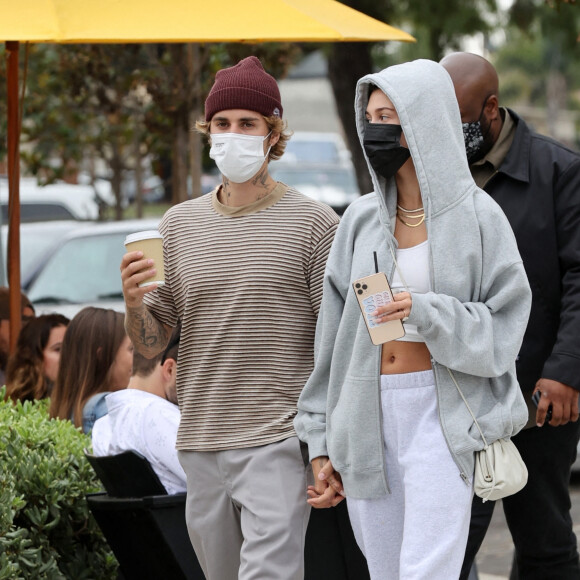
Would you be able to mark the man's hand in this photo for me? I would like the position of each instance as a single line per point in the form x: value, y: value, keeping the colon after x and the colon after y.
x: 327, y: 490
x: 134, y: 269
x: 148, y: 334
x: 564, y: 401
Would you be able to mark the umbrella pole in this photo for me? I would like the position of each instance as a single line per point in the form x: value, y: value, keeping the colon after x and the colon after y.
x: 13, y: 193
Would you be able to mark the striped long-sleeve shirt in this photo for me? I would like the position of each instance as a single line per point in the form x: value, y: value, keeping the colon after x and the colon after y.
x: 247, y: 284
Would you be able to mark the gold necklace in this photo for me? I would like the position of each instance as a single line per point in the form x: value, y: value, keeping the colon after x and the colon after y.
x: 410, y: 210
x: 420, y: 217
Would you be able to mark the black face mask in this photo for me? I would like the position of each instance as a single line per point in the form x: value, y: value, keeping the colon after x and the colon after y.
x: 477, y: 142
x: 382, y: 144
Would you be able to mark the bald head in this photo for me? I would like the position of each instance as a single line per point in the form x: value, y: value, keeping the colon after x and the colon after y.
x: 474, y: 79
x: 465, y: 67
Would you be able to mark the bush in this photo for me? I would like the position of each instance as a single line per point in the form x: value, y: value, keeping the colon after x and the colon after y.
x: 46, y: 529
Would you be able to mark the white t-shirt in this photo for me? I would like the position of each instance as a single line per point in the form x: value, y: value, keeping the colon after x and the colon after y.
x: 145, y: 423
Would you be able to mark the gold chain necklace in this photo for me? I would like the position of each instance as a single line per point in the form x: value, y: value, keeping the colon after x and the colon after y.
x: 422, y: 217
x: 410, y: 210
x: 419, y: 216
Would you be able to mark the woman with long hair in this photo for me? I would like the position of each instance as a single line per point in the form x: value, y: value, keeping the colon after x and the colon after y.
x: 97, y: 359
x: 33, y: 367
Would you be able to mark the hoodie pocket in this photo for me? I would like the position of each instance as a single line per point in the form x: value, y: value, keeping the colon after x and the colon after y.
x: 354, y: 435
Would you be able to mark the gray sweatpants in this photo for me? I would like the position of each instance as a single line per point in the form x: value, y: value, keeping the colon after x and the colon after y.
x: 246, y: 510
x: 419, y: 531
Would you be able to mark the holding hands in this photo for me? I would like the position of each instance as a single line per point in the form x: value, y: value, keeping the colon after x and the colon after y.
x: 327, y: 490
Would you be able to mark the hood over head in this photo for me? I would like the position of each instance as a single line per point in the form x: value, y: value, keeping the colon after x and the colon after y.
x: 423, y: 95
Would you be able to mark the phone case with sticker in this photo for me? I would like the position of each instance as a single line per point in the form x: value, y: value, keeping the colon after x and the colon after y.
x: 371, y: 292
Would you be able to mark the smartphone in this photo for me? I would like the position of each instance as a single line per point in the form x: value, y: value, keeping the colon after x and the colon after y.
x: 371, y: 292
x: 536, y: 400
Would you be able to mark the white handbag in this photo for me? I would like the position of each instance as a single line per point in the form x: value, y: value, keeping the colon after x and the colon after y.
x: 499, y: 468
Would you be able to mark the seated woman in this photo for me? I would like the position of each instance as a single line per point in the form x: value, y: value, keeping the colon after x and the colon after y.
x: 32, y: 368
x: 97, y: 358
x: 389, y: 418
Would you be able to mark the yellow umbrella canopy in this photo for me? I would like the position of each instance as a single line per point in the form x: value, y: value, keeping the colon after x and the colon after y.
x: 122, y: 21
x: 188, y: 21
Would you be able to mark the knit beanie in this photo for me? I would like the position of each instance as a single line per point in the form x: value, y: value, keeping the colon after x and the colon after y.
x: 244, y: 86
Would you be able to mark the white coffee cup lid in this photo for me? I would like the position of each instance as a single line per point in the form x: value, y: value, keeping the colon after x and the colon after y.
x: 145, y: 235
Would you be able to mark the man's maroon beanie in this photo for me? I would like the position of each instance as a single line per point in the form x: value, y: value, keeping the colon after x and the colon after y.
x: 244, y: 86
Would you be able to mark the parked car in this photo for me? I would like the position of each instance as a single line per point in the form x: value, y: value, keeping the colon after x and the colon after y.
x: 36, y: 239
x: 152, y: 185
x: 332, y: 184
x: 316, y: 147
x: 80, y: 267
x: 58, y: 201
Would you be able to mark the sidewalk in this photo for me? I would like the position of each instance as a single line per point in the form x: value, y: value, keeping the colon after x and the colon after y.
x: 495, y: 556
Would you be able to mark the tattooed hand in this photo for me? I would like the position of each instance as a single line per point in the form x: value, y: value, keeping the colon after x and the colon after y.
x: 134, y: 270
x: 149, y: 336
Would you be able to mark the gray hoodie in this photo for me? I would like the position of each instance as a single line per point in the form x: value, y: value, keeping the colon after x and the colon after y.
x: 472, y: 321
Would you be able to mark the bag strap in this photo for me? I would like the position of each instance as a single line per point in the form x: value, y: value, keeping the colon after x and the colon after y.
x: 469, y: 409
x: 399, y: 270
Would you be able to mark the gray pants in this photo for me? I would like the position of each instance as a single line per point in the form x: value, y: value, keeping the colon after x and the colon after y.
x: 246, y: 510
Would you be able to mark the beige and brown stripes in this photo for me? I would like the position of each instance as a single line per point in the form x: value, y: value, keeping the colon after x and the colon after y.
x: 247, y: 285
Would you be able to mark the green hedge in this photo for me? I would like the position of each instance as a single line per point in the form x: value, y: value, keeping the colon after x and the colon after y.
x: 46, y: 530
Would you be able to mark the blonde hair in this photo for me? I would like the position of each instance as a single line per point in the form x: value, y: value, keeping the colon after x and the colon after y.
x: 275, y: 124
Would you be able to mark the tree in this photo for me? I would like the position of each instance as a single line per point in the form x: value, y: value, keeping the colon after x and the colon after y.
x: 347, y: 63
x: 83, y: 100
x: 174, y: 81
x: 539, y: 61
x: 443, y: 24
x: 436, y: 25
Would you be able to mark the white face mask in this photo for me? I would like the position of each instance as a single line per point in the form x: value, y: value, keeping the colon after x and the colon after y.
x: 238, y: 157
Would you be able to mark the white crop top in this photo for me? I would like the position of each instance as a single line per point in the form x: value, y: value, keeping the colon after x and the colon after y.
x: 414, y: 265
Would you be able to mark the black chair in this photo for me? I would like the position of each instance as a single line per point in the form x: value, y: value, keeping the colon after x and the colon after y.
x: 144, y: 526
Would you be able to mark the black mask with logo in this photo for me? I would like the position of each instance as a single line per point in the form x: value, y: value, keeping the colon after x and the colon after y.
x: 382, y: 144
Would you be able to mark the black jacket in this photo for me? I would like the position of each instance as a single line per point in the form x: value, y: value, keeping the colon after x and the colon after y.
x: 538, y: 187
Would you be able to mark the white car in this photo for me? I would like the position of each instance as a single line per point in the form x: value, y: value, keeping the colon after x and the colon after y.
x: 77, y: 265
x: 58, y: 201
x: 332, y: 184
x: 314, y: 147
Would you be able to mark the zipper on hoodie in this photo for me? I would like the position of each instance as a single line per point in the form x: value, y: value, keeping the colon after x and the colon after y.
x: 379, y: 407
x: 462, y: 473
x: 378, y: 391
x: 432, y: 278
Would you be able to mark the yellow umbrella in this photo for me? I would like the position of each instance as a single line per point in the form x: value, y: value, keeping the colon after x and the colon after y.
x: 121, y: 21
x: 188, y: 21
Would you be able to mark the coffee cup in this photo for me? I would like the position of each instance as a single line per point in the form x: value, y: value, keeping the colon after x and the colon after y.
x: 150, y: 242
